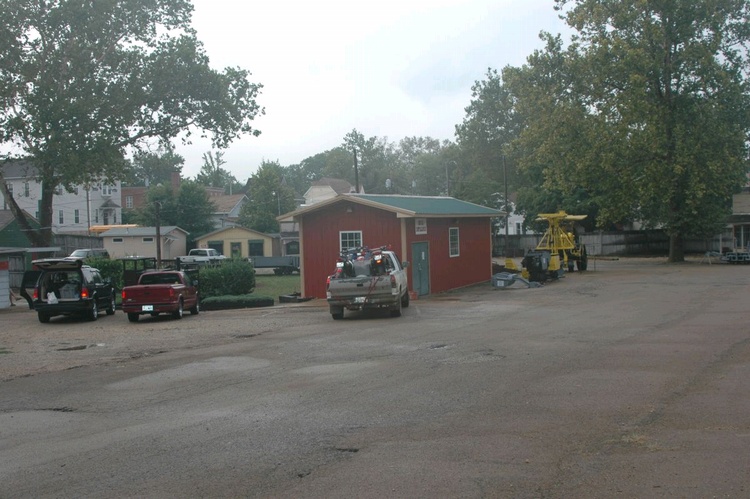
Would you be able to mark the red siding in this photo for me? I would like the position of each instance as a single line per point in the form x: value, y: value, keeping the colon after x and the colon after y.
x: 474, y: 263
x: 320, y: 245
x: 320, y: 238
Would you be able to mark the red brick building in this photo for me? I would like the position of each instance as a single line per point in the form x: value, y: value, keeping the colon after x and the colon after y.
x: 447, y: 242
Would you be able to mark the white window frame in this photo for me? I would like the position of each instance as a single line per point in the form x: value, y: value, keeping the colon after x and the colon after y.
x: 128, y: 201
x: 117, y: 240
x: 346, y: 235
x: 61, y: 217
x: 454, y: 242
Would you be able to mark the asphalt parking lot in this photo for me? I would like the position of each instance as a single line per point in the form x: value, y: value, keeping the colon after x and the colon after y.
x: 629, y: 380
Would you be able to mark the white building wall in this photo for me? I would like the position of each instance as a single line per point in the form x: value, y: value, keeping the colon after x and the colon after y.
x: 72, y: 212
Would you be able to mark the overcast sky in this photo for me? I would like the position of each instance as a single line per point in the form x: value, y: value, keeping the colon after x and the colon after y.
x: 392, y: 68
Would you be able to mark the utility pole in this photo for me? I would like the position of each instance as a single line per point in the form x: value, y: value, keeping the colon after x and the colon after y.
x: 157, y: 205
x: 356, y: 172
x: 505, y: 178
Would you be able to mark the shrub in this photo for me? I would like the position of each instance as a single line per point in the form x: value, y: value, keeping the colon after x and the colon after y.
x: 234, y: 301
x: 233, y: 277
x: 111, y: 269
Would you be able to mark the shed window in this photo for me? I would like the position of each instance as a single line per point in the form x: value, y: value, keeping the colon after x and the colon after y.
x: 453, y: 244
x: 117, y: 240
x: 255, y: 247
x: 217, y: 245
x: 352, y: 239
x: 148, y: 239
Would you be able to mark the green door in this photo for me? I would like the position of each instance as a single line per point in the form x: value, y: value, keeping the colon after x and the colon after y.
x: 420, y: 268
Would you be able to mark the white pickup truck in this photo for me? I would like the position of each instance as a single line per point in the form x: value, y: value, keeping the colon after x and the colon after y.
x: 367, y: 279
x: 200, y: 256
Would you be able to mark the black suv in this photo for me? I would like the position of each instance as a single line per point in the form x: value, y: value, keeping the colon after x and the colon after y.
x: 63, y: 286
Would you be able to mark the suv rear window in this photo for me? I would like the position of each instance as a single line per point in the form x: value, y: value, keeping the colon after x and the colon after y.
x: 65, y: 284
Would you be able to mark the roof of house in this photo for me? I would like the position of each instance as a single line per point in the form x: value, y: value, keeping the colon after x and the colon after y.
x: 408, y: 206
x: 237, y: 227
x: 140, y: 231
x: 6, y: 217
x: 225, y: 204
x: 21, y: 168
x: 340, y: 186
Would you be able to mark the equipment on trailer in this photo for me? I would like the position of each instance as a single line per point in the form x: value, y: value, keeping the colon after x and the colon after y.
x: 557, y: 250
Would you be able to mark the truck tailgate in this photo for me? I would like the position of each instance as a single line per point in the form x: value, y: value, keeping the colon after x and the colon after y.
x: 353, y: 287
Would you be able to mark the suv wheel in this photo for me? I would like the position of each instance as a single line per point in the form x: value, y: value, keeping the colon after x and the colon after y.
x: 94, y: 312
x: 111, y: 306
x: 43, y: 318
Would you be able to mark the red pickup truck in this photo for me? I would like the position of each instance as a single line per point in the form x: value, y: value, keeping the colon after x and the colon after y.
x: 159, y: 292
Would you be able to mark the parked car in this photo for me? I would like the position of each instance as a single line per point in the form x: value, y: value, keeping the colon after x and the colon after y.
x: 64, y: 286
x: 83, y: 253
x: 160, y: 292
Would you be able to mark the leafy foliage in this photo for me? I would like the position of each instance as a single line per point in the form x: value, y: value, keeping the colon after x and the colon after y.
x: 109, y: 269
x: 213, y: 174
x: 83, y: 81
x: 232, y: 277
x: 269, y: 197
x: 190, y: 208
x: 154, y: 168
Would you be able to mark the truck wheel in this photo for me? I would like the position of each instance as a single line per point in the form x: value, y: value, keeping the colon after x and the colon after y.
x: 405, y: 299
x: 43, y: 318
x: 111, y: 307
x: 133, y: 317
x: 337, y: 313
x: 177, y: 314
x: 197, y: 308
x: 396, y: 310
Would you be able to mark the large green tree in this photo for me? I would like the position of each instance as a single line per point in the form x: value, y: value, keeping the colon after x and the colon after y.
x: 190, y: 208
x: 649, y: 111
x: 155, y: 167
x: 83, y: 80
x: 213, y: 173
x: 269, y: 196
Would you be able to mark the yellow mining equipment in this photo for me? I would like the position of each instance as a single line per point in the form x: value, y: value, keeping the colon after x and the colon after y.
x: 557, y: 250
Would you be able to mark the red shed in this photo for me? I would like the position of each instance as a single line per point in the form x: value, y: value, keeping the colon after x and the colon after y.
x: 447, y: 242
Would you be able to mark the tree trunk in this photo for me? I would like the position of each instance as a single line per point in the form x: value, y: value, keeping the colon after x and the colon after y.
x: 676, y: 249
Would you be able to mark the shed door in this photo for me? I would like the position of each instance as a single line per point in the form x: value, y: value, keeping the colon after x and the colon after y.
x: 420, y: 268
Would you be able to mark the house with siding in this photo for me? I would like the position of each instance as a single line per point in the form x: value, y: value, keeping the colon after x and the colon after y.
x: 227, y: 210
x: 123, y: 242
x: 239, y: 242
x: 448, y: 242
x: 72, y: 212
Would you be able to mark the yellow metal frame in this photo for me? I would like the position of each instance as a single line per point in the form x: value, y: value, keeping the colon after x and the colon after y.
x: 556, y: 238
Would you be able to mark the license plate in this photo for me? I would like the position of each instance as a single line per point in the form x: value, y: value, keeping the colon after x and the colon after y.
x: 359, y: 299
x: 147, y: 308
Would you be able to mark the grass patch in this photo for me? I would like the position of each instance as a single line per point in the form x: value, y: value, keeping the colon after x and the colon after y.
x: 276, y: 285
x: 4, y: 350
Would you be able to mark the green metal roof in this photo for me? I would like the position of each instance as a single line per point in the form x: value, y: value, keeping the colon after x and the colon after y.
x: 429, y: 205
